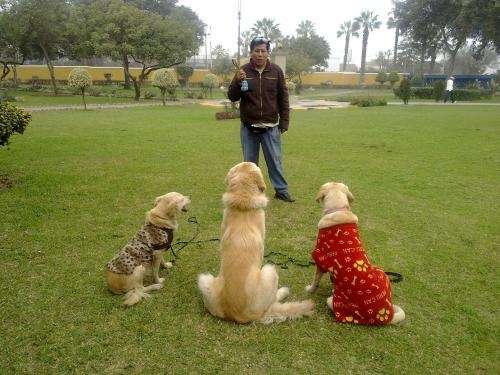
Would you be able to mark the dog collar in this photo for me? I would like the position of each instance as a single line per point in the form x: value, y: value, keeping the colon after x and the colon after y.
x: 331, y: 211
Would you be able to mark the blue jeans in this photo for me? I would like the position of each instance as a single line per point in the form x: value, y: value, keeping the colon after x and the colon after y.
x: 271, y: 147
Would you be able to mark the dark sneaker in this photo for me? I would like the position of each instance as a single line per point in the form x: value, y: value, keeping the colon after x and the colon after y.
x: 286, y: 197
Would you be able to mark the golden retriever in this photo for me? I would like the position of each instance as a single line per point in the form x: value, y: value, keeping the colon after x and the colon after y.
x: 144, y: 253
x: 362, y: 292
x: 243, y: 291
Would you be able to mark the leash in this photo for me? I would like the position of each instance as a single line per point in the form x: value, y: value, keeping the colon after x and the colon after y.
x: 280, y: 259
x: 192, y: 240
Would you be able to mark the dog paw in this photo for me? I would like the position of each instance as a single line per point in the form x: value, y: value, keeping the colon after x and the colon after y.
x: 167, y: 265
x: 329, y: 302
x: 160, y: 280
x: 282, y: 293
x: 310, y: 288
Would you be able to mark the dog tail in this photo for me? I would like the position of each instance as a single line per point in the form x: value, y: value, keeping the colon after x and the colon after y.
x: 134, y: 296
x: 399, y: 314
x: 279, y: 312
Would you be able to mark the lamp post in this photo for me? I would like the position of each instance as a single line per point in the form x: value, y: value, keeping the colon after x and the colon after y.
x: 239, y: 31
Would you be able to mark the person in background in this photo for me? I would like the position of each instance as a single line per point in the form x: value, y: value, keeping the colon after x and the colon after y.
x: 264, y: 111
x: 448, y: 94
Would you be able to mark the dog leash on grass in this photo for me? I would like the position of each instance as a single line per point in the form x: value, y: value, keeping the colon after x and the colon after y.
x: 283, y: 263
x: 183, y: 244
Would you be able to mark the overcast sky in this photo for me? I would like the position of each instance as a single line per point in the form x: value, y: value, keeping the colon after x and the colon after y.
x: 327, y: 15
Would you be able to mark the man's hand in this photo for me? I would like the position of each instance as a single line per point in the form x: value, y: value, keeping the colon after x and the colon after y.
x: 240, y: 75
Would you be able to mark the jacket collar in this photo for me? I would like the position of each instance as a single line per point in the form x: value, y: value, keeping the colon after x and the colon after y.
x: 267, y: 67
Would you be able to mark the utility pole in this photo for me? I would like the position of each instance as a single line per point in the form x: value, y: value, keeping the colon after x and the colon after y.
x: 239, y: 31
x: 206, y: 51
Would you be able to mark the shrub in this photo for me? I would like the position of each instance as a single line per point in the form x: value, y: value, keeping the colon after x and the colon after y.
x: 393, y: 77
x: 438, y: 90
x: 210, y: 81
x: 167, y: 82
x: 422, y: 92
x: 291, y: 86
x: 189, y: 94
x: 417, y: 81
x: 80, y: 79
x: 326, y: 84
x: 368, y: 101
x: 404, y: 90
x: 184, y: 72
x: 149, y: 94
x: 464, y: 95
x: 381, y: 78
x: 12, y: 120
x: 95, y: 91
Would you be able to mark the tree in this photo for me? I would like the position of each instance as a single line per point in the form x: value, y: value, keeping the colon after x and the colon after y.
x: 393, y: 77
x: 210, y: 81
x: 404, y: 90
x: 166, y: 81
x: 184, y: 72
x: 368, y: 22
x: 392, y: 23
x: 467, y: 61
x: 305, y: 29
x: 80, y: 78
x: 267, y: 28
x: 163, y: 42
x: 12, y: 120
x: 298, y: 64
x: 221, y: 65
x: 44, y: 23
x: 13, y: 42
x: 246, y: 38
x: 484, y: 16
x: 381, y: 78
x: 347, y: 29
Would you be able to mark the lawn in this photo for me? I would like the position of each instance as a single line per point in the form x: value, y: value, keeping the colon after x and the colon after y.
x: 426, y: 187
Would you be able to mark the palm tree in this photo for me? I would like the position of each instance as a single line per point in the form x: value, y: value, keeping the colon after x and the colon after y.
x: 246, y: 37
x: 368, y: 22
x: 392, y: 24
x: 267, y: 28
x: 348, y: 28
x: 305, y: 29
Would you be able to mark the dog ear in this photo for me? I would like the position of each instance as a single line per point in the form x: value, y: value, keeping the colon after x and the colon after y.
x: 348, y: 194
x: 157, y: 200
x: 321, y: 194
x: 259, y: 180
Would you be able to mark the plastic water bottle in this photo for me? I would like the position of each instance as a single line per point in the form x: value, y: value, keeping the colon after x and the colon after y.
x: 244, y: 85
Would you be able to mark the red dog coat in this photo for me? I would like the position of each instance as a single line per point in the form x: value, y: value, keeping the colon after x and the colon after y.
x: 362, y: 292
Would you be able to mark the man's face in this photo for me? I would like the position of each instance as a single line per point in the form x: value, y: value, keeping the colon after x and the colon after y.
x: 259, y: 55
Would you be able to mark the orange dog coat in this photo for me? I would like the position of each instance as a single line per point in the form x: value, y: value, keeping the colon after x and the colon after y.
x: 362, y: 292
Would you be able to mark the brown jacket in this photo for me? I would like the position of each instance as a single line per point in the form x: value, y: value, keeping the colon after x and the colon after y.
x: 267, y: 98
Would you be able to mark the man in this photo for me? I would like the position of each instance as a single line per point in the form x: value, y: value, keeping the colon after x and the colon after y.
x: 449, y: 90
x: 261, y: 88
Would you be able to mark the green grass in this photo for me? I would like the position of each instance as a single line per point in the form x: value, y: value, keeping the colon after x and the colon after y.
x: 426, y: 188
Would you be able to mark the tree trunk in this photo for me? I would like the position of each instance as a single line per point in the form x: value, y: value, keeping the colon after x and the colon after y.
x: 422, y: 60
x: 396, y: 42
x: 83, y: 97
x: 363, y: 57
x: 451, y: 63
x: 5, y: 71
x: 137, y: 87
x: 14, y: 72
x: 126, y: 73
x: 346, y: 50
x: 51, y: 68
x: 433, y: 59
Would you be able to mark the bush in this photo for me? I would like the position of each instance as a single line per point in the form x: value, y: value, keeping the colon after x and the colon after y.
x: 393, y: 77
x: 326, y: 84
x: 167, y: 82
x: 80, y: 79
x: 417, y: 81
x: 149, y: 94
x: 189, y: 94
x: 12, y: 120
x: 210, y: 81
x: 184, y: 72
x: 381, y: 78
x: 404, y: 90
x: 368, y: 101
x: 438, y: 90
x: 464, y: 95
x: 291, y: 86
x: 422, y: 92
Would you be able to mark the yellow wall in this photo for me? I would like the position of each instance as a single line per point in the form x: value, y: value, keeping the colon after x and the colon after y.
x: 26, y: 72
